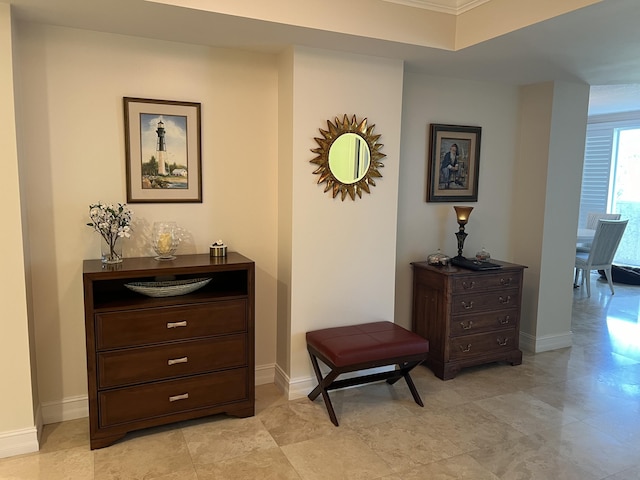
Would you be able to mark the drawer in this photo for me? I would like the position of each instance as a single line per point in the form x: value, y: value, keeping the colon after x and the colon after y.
x: 490, y: 281
x: 144, y: 364
x: 163, y: 324
x: 472, y: 324
x: 482, y: 343
x: 491, y: 300
x: 165, y: 398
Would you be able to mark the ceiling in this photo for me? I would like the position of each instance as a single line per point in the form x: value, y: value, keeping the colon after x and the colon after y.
x: 598, y: 44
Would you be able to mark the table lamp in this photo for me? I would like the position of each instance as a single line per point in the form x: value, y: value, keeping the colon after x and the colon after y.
x: 462, y: 216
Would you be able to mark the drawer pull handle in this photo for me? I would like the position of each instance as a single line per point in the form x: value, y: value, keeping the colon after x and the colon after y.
x: 468, y: 286
x: 183, y: 323
x: 175, y: 398
x: 505, y: 320
x: 173, y: 361
x: 502, y: 343
x: 467, y: 326
x: 504, y: 301
x: 467, y: 306
x: 465, y: 349
x: 506, y: 281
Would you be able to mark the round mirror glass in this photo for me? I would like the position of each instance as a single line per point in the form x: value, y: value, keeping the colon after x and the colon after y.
x: 349, y: 158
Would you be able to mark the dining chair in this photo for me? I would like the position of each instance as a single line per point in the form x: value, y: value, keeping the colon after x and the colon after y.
x: 603, y: 249
x: 592, y: 223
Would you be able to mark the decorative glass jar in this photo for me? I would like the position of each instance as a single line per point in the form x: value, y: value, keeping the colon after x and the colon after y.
x: 483, y: 255
x: 438, y: 258
x: 165, y: 240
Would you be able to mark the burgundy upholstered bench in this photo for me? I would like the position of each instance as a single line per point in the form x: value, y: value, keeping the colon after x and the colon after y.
x: 360, y: 347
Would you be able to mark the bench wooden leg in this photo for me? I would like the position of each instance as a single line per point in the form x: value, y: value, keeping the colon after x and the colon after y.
x: 330, y: 383
x: 403, y: 372
x: 323, y: 383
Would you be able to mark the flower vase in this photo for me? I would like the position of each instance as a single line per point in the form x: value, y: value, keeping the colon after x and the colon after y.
x: 111, y: 253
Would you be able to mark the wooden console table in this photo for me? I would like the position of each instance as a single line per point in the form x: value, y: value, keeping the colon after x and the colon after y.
x: 157, y: 360
x: 469, y: 317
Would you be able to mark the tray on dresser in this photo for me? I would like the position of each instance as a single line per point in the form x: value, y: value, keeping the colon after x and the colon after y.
x: 474, y: 264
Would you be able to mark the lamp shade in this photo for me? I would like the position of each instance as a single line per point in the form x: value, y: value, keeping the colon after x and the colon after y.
x: 462, y: 214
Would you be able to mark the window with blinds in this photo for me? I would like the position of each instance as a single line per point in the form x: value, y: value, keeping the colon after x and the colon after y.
x: 596, y: 171
x: 610, y: 175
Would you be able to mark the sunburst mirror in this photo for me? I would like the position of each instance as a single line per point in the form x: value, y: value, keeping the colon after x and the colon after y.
x: 348, y: 157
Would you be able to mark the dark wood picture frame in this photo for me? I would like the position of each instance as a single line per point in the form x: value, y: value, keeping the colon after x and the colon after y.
x: 162, y: 151
x: 453, y: 180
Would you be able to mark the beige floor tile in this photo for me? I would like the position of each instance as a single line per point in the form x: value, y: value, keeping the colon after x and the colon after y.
x: 64, y: 435
x: 268, y: 396
x: 462, y: 467
x: 297, y: 421
x: 376, y: 403
x: 223, y: 438
x: 529, y: 458
x: 592, y: 449
x: 622, y: 423
x: 407, y: 442
x: 341, y: 456
x: 632, y: 473
x: 470, y: 385
x: 71, y: 464
x: 582, y: 397
x: 269, y: 464
x: 524, y: 412
x: 147, y: 454
x: 468, y: 426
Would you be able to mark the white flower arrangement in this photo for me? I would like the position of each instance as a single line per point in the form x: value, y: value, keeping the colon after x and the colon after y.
x: 111, y: 222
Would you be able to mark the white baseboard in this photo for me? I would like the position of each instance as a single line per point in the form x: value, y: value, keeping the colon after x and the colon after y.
x: 18, y: 442
x: 546, y: 343
x: 68, y: 409
x: 265, y: 374
x: 300, y: 387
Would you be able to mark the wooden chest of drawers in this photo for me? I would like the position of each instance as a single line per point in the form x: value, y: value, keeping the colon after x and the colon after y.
x: 469, y: 317
x: 156, y: 360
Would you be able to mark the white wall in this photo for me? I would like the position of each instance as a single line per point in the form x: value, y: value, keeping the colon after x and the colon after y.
x: 343, y: 263
x: 72, y: 84
x: 545, y: 218
x: 424, y: 227
x: 17, y: 419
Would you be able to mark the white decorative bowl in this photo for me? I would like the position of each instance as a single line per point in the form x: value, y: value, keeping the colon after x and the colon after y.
x: 169, y: 288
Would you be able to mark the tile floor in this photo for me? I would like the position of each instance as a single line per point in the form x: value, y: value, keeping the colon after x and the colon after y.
x: 567, y: 414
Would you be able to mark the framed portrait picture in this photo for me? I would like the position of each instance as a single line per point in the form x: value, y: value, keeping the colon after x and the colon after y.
x: 162, y: 149
x: 454, y: 160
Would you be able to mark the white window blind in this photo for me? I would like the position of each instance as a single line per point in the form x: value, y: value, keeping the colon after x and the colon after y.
x: 599, y: 154
x: 596, y: 170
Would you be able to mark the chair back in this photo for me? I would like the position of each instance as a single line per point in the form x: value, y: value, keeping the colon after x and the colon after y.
x: 593, y: 217
x: 605, y: 242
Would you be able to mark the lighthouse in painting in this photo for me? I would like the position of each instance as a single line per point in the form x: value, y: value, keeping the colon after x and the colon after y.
x: 161, y: 149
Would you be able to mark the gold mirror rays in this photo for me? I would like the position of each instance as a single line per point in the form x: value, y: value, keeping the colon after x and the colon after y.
x: 350, y: 168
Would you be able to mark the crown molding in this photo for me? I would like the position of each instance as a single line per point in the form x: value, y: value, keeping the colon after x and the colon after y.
x: 452, y: 7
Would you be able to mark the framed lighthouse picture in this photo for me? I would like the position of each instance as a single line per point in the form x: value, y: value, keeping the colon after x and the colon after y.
x: 163, y: 151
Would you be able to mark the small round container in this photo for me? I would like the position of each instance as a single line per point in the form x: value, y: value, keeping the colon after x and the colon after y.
x: 218, y: 250
x: 438, y: 258
x: 483, y: 255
